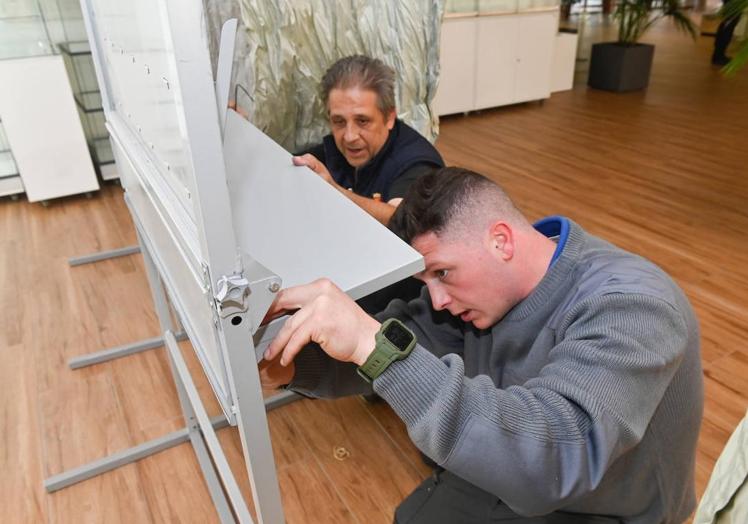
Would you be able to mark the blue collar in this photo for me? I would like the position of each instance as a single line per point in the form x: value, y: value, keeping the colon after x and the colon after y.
x: 554, y: 226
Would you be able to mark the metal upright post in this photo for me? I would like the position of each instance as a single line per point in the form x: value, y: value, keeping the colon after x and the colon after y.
x: 185, y: 400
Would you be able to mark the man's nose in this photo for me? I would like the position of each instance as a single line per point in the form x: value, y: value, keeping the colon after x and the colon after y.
x: 351, y: 132
x: 439, y: 298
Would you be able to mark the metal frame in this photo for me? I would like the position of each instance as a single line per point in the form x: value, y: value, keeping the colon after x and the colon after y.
x: 186, y: 233
x: 103, y: 255
x: 105, y: 355
x: 229, y: 278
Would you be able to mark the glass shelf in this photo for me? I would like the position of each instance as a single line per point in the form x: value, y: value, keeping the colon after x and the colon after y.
x: 7, y: 164
x: 24, y: 36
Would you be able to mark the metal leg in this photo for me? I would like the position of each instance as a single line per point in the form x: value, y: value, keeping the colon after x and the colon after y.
x: 130, y: 455
x: 121, y: 458
x: 251, y: 420
x: 211, y: 479
x: 184, y: 379
x: 200, y: 429
x: 103, y: 255
x: 105, y: 355
x: 281, y: 399
x: 212, y: 460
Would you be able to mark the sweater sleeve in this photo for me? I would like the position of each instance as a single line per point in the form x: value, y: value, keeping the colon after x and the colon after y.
x: 317, y: 375
x: 548, y: 442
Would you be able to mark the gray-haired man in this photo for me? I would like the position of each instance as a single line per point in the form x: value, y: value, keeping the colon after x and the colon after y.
x: 369, y: 150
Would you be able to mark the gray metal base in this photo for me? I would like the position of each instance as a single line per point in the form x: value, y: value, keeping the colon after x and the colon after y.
x: 105, y: 355
x: 281, y: 399
x: 103, y: 255
x: 127, y: 456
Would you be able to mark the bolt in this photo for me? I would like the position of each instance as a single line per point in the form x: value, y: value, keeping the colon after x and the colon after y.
x: 274, y: 287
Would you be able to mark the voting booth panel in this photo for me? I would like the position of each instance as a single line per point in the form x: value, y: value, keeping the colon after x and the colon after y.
x: 224, y: 219
x: 159, y: 146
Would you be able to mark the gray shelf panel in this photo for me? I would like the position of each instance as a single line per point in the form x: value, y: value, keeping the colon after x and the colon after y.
x: 75, y: 48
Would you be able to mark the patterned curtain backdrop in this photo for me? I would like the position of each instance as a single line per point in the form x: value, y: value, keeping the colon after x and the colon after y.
x: 285, y: 46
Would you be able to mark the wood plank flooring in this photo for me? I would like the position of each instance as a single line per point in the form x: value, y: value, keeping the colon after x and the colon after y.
x: 660, y: 172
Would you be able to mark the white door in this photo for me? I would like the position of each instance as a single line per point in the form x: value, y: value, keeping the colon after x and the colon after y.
x: 456, y: 90
x: 537, y: 33
x: 496, y: 61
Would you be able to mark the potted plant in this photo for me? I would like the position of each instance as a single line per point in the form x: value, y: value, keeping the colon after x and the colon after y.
x: 625, y: 65
x: 734, y: 9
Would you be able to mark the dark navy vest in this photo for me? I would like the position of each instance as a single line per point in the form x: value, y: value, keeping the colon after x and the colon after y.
x: 404, y: 148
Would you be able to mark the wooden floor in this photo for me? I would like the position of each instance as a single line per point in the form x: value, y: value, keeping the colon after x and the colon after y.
x: 661, y: 172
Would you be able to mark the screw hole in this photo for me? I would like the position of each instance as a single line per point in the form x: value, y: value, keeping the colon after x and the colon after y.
x: 236, y: 321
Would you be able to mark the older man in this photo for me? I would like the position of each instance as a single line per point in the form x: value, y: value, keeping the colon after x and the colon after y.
x: 370, y: 155
x: 552, y: 376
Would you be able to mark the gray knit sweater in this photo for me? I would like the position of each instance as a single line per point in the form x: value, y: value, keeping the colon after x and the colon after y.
x: 585, y: 398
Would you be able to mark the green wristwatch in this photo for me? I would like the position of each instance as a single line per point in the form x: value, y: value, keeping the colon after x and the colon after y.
x: 393, y: 342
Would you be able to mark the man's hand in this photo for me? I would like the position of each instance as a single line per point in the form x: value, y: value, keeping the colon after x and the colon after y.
x: 326, y: 316
x: 315, y: 165
x: 273, y: 375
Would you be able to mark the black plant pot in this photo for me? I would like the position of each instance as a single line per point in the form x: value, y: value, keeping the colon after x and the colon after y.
x: 619, y: 67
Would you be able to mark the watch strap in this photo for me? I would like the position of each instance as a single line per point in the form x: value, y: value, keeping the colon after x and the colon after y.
x: 385, y: 352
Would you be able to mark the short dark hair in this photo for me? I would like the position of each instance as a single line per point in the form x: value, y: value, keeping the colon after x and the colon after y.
x: 364, y: 72
x: 438, y: 200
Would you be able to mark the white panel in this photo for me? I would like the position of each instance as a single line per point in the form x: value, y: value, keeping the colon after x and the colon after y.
x: 184, y: 282
x: 43, y: 128
x: 456, y: 91
x: 496, y: 61
x: 537, y: 34
x: 294, y: 223
x: 138, y: 56
x: 564, y: 61
x: 109, y: 171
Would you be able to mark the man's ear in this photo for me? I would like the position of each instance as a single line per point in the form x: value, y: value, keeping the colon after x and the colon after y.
x: 501, y: 240
x: 390, y: 119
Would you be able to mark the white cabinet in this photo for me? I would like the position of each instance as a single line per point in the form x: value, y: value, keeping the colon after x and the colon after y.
x: 455, y: 93
x: 564, y: 59
x: 493, y: 60
x: 496, y: 62
x: 537, y: 35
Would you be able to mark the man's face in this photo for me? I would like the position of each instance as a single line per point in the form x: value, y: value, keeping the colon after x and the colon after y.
x: 358, y: 126
x: 470, y: 280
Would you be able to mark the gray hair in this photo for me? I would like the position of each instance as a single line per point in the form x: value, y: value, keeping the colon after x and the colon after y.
x: 363, y: 72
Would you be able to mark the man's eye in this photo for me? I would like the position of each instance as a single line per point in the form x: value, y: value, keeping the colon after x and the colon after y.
x: 442, y: 274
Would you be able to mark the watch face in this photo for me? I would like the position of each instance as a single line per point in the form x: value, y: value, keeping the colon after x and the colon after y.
x: 398, y: 335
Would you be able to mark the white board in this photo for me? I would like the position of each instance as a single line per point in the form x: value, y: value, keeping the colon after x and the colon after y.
x: 201, y: 202
x: 43, y: 128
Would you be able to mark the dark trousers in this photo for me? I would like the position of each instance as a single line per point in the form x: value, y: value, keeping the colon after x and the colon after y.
x: 724, y: 35
x: 445, y: 498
